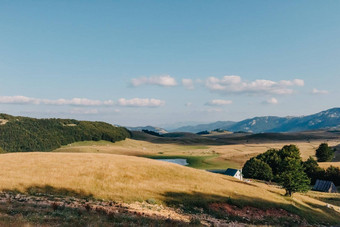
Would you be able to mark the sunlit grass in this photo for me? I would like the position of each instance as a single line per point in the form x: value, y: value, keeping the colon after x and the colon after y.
x: 129, y: 179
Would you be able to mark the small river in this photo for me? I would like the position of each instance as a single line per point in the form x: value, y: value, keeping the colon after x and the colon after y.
x: 179, y: 161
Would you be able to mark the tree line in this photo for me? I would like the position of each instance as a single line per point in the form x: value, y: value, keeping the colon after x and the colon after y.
x: 286, y: 167
x: 23, y: 134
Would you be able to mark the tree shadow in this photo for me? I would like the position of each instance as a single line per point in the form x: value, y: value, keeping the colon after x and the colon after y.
x: 50, y: 190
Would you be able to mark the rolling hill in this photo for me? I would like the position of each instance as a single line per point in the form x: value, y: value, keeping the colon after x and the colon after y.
x: 19, y: 134
x: 149, y: 128
x: 187, y: 138
x: 119, y: 178
x: 323, y: 120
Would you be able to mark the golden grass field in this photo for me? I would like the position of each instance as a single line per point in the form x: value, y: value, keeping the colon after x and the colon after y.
x: 223, y: 156
x: 129, y: 179
x: 325, y: 165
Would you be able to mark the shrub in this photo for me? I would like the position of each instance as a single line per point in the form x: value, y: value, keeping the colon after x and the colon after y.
x: 324, y: 153
x: 333, y: 174
x: 257, y: 169
x: 313, y: 170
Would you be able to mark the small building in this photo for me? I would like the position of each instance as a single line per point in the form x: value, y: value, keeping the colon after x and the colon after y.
x: 325, y: 186
x: 237, y: 173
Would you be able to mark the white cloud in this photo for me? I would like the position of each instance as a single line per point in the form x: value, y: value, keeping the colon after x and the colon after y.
x: 235, y: 84
x: 164, y: 80
x: 319, y: 92
x: 138, y: 102
x: 84, y: 111
x: 18, y: 100
x: 37, y: 101
x: 295, y: 82
x: 188, y: 83
x: 271, y: 101
x: 219, y: 102
x: 188, y: 104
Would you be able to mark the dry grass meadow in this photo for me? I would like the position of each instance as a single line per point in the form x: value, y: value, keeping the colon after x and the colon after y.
x: 121, y: 172
x: 128, y: 179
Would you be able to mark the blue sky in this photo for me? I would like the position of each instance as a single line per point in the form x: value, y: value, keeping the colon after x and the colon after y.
x: 163, y: 62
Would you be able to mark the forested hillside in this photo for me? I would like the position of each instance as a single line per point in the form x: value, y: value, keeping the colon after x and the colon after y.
x: 19, y: 134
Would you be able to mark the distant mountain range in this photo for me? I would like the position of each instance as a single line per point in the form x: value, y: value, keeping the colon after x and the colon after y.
x: 204, y: 127
x: 323, y: 120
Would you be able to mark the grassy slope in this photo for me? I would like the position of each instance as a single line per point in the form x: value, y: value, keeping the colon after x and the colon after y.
x: 126, y: 178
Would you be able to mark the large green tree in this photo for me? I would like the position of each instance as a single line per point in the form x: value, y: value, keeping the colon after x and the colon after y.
x: 257, y: 169
x: 272, y: 158
x: 324, y: 153
x: 293, y: 178
x: 286, y: 165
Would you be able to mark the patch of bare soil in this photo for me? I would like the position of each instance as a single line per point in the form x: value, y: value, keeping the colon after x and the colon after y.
x: 252, y: 213
x: 3, y: 121
x: 152, y: 214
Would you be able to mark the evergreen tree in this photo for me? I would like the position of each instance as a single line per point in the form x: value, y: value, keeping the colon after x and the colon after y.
x: 293, y: 178
x: 324, y: 153
x: 313, y: 170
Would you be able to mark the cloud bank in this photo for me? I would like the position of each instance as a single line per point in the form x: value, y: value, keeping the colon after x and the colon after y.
x: 138, y: 102
x: 37, y: 101
x: 219, y: 102
x: 235, y: 84
x: 135, y: 102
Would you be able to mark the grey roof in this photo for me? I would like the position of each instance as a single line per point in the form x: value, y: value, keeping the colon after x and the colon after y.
x: 221, y: 171
x: 324, y: 186
x: 231, y: 172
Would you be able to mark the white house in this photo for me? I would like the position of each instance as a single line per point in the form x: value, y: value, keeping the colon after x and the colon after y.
x: 237, y: 173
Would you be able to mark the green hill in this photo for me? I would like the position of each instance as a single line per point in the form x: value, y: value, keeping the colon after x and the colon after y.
x: 22, y: 134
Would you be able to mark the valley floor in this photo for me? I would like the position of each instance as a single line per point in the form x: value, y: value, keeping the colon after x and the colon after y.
x: 198, y: 156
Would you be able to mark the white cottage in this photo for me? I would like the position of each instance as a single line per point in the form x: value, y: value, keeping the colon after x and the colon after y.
x: 237, y: 173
